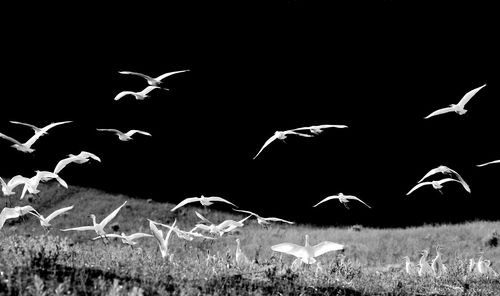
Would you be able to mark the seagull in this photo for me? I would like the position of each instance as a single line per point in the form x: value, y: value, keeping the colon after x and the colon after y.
x: 80, y: 158
x: 162, y: 242
x: 42, y: 130
x: 458, y: 108
x: 280, y: 135
x: 124, y: 136
x: 9, y: 213
x: 126, y: 239
x: 438, y: 185
x: 344, y: 199
x: 141, y: 95
x: 491, y: 162
x: 31, y: 184
x: 45, y: 221
x: 307, y: 253
x: 264, y: 221
x: 205, y: 201
x: 446, y: 170
x: 98, y: 227
x: 317, y: 129
x: 153, y: 81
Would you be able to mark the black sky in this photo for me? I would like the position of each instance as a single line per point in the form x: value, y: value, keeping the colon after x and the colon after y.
x: 379, y: 68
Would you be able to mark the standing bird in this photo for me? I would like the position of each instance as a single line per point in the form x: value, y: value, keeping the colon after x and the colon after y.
x: 240, y: 258
x: 425, y: 269
x: 437, y: 263
x: 9, y: 213
x: 153, y: 81
x: 438, y: 185
x: 205, y: 201
x: 458, y: 108
x: 344, y: 199
x: 317, y: 129
x: 97, y: 227
x: 280, y: 135
x: 126, y: 239
x: 45, y: 221
x: 491, y: 162
x: 446, y: 170
x: 307, y: 253
x: 83, y: 157
x: 162, y: 242
x: 140, y: 95
x: 264, y: 221
x: 124, y: 136
x: 410, y: 267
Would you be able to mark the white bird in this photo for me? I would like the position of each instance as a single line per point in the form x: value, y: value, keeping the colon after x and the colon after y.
x: 280, y: 135
x: 472, y: 266
x: 41, y: 130
x: 425, y: 269
x: 223, y: 227
x: 410, y: 267
x: 264, y: 221
x: 80, y: 158
x: 45, y: 221
x: 317, y: 129
x: 491, y: 162
x: 140, y: 95
x: 153, y: 81
x: 437, y: 185
x: 446, y: 170
x: 9, y: 213
x: 205, y: 201
x: 202, y: 218
x: 126, y: 239
x: 240, y: 257
x: 437, y: 264
x: 31, y: 184
x: 97, y: 227
x: 344, y: 199
x: 6, y: 188
x: 124, y: 136
x: 458, y: 108
x: 307, y: 253
x: 186, y: 235
x: 162, y: 242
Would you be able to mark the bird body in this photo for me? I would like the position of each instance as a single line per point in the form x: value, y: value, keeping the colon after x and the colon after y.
x: 124, y: 136
x: 425, y: 269
x: 410, y: 267
x: 437, y: 264
x: 140, y: 95
x: 307, y: 253
x: 153, y: 81
x: 344, y: 199
x: 205, y: 201
x: 458, y: 108
x: 9, y: 213
x: 80, y: 158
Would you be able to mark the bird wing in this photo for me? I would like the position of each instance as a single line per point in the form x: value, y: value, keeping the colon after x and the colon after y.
x: 10, y: 139
x: 201, y: 226
x: 33, y: 139
x: 290, y: 248
x: 35, y: 128
x: 44, y: 129
x: 158, y: 234
x: 3, y: 183
x: 326, y: 199
x: 319, y: 127
x: 202, y: 218
x: 63, y: 162
x: 109, y: 130
x: 491, y: 162
x: 186, y: 201
x: 109, y: 235
x: 431, y: 172
x: 124, y: 93
x: 139, y: 235
x: 325, y: 247
x: 278, y: 220
x: 466, y: 186
x: 229, y: 223
x: 216, y: 198
x: 356, y: 198
x: 290, y: 132
x: 83, y: 228
x: 272, y: 138
x: 148, y: 89
x: 169, y: 233
x: 58, y: 212
x: 466, y: 98
x: 8, y: 213
x: 131, y: 132
x: 248, y: 212
x: 85, y: 154
x: 111, y: 216
x: 17, y: 180
x: 161, y: 77
x: 137, y: 74
x: 418, y: 186
x: 440, y: 111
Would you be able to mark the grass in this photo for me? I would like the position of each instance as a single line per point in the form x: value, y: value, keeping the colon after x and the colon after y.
x: 33, y: 262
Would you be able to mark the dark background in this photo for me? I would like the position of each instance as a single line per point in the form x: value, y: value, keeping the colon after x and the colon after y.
x: 379, y: 68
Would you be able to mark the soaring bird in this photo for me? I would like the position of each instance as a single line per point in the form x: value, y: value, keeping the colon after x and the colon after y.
x: 9, y: 213
x: 31, y: 184
x: 223, y: 227
x: 153, y: 81
x: 124, y: 136
x: 458, y: 108
x: 438, y: 185
x: 446, y: 170
x: 41, y: 130
x: 6, y: 188
x: 126, y: 239
x: 140, y: 95
x: 83, y: 157
x: 186, y: 235
x: 264, y: 221
x: 98, y: 227
x: 162, y: 241
x: 344, y: 199
x: 307, y: 253
x: 491, y: 162
x: 317, y: 129
x: 45, y: 221
x: 280, y: 135
x: 205, y: 201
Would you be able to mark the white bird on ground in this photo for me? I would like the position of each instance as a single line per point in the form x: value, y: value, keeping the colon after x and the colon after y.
x: 425, y: 269
x: 491, y: 162
x: 264, y: 221
x: 446, y: 170
x: 240, y: 257
x: 162, y: 242
x: 307, y: 253
x: 437, y: 264
x: 126, y: 239
x: 97, y: 227
x: 9, y: 213
x: 80, y: 158
x: 41, y: 130
x: 410, y: 267
x: 205, y: 201
x: 438, y: 185
x: 140, y: 95
x: 344, y: 199
x: 124, y: 136
x: 223, y: 227
x: 45, y: 221
x: 458, y: 108
x: 280, y: 135
x: 153, y: 81
x: 317, y: 129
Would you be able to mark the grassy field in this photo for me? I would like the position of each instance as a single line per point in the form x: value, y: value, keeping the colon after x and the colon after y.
x: 33, y: 262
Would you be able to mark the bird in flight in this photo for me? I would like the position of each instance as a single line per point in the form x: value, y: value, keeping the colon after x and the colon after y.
x: 438, y: 185
x: 140, y: 95
x: 186, y: 235
x: 307, y: 253
x: 162, y: 242
x: 458, y: 108
x: 9, y: 213
x: 83, y: 157
x: 31, y: 184
x: 124, y: 136
x: 491, y: 162
x: 153, y: 81
x: 344, y: 199
x: 280, y: 135
x: 223, y: 227
x: 264, y: 221
x: 41, y: 130
x: 446, y: 170
x: 205, y: 201
x: 45, y: 221
x: 317, y: 129
x: 126, y: 239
